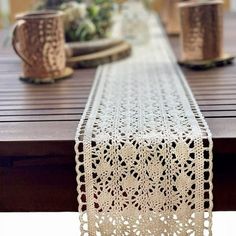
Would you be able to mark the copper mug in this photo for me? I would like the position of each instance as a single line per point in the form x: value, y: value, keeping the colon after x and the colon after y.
x: 38, y: 39
x: 202, y: 30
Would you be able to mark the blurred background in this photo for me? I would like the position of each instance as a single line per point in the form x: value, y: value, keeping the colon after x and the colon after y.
x: 8, y: 8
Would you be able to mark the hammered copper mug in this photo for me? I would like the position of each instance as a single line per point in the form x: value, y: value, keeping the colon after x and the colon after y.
x: 201, y: 30
x: 38, y: 39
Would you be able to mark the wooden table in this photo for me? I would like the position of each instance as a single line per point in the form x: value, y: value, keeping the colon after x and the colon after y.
x: 38, y: 124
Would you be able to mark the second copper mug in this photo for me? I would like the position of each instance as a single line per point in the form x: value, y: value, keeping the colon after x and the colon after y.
x: 38, y: 39
x: 202, y: 30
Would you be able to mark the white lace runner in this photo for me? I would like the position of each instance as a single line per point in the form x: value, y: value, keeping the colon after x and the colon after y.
x: 144, y: 151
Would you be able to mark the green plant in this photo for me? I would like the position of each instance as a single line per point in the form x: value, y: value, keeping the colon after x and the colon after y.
x: 83, y: 21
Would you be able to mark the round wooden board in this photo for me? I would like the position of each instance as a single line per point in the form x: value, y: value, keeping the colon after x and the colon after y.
x: 226, y: 59
x: 112, y: 54
x: 68, y: 72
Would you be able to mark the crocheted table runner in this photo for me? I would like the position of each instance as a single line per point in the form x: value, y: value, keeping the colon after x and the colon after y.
x: 144, y: 151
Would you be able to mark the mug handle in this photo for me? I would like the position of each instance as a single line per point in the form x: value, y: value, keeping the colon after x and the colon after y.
x: 15, y: 41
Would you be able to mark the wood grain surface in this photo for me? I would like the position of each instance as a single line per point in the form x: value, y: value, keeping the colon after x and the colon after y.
x: 38, y: 125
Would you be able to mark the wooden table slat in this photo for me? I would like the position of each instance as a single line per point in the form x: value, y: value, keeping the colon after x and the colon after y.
x: 42, y: 112
x: 42, y: 107
x: 40, y: 118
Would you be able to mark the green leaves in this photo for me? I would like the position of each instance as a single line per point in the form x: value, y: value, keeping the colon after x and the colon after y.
x: 83, y: 22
